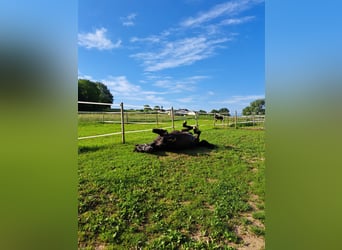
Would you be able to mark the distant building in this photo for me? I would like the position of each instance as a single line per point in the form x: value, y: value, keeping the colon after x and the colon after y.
x: 183, y: 112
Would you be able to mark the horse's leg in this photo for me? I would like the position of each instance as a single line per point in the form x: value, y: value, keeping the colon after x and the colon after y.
x: 159, y: 131
x: 197, y: 133
x: 186, y: 127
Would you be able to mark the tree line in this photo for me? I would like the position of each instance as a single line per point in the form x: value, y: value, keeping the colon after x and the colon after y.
x: 256, y: 107
x: 223, y: 111
x: 89, y: 91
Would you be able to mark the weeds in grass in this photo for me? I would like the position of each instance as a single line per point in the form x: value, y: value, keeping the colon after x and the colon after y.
x: 260, y: 215
x: 258, y: 230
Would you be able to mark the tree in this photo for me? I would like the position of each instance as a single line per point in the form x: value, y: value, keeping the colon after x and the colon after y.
x: 256, y: 107
x: 202, y: 111
x: 156, y: 108
x: 214, y: 111
x: 89, y: 91
x: 224, y: 111
x: 105, y: 95
x: 147, y: 108
x: 247, y: 110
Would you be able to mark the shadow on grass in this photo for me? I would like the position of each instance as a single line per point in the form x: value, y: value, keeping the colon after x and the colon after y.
x: 198, y: 151
x: 230, y: 147
x: 86, y: 149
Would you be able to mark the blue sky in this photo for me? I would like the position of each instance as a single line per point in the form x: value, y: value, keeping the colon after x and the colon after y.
x: 193, y: 54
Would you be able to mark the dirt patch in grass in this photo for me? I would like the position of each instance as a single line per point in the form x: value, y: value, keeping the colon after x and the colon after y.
x: 200, y: 236
x: 253, y: 160
x: 101, y: 247
x: 251, y: 242
x: 209, y: 207
x: 185, y: 203
x: 211, y: 180
x: 250, y: 239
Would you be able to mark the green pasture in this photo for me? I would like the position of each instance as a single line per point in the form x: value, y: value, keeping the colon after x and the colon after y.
x: 132, y: 117
x: 192, y: 199
x: 110, y: 122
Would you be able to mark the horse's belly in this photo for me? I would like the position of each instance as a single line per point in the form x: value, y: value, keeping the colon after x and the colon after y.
x: 181, y: 141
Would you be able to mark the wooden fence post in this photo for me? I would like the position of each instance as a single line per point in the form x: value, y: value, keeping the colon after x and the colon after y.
x: 196, y: 119
x: 173, y: 119
x: 235, y: 119
x: 122, y: 123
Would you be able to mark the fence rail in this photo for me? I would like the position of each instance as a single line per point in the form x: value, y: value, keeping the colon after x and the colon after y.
x: 165, y: 119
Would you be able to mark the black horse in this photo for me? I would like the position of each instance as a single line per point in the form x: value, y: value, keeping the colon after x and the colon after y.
x: 176, y: 140
x: 218, y: 117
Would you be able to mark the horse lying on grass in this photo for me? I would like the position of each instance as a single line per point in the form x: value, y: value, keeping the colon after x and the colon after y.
x: 176, y: 140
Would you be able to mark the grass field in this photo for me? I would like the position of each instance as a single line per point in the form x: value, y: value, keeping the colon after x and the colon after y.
x: 193, y: 199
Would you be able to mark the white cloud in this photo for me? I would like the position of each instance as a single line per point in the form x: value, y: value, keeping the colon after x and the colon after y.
x: 194, y: 39
x: 241, y: 99
x: 97, y: 40
x: 162, y: 36
x: 186, y: 99
x: 178, y: 85
x: 155, y: 99
x: 219, y: 10
x: 87, y: 77
x: 247, y: 98
x: 152, y: 39
x: 119, y: 85
x: 123, y: 90
x: 128, y: 20
x: 197, y: 78
x: 233, y: 21
x: 235, y: 103
x: 83, y: 76
x: 179, y: 53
